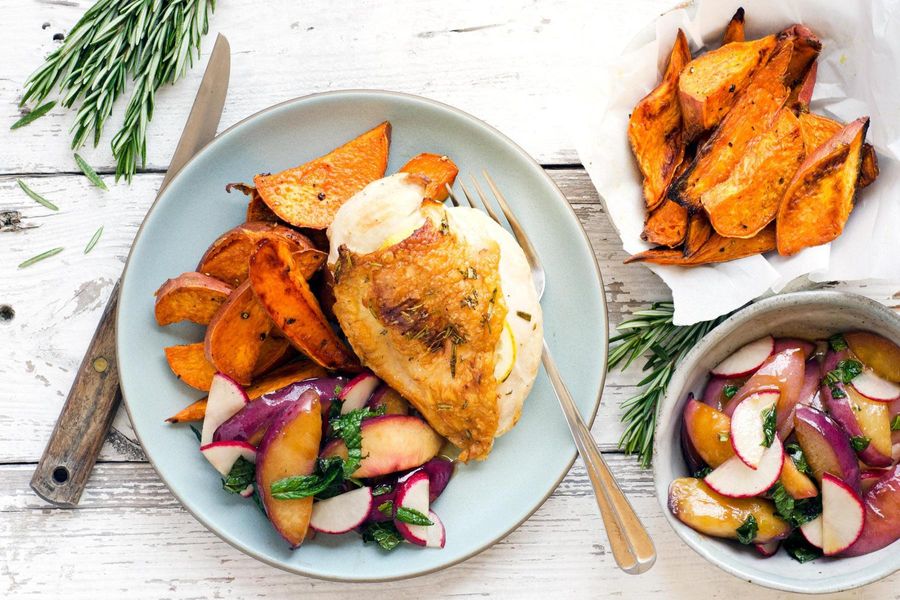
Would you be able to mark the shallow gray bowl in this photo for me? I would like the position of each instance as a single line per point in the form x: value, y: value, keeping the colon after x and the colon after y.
x: 813, y: 314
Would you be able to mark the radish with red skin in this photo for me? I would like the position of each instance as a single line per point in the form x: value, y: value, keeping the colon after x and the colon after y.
x: 436, y: 534
x: 768, y: 549
x: 843, y: 515
x: 377, y: 516
x: 826, y: 446
x: 439, y: 470
x: 874, y: 387
x: 869, y: 477
x: 736, y: 480
x: 747, y: 427
x: 342, y: 513
x: 812, y: 531
x: 251, y: 422
x: 357, y: 392
x: 226, y: 398
x: 223, y: 455
x: 882, y: 521
x: 413, y: 493
x: 247, y: 492
x: 747, y: 359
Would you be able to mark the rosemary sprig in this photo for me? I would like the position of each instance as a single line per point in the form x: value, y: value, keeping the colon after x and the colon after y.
x: 40, y: 257
x: 90, y: 173
x: 94, y: 239
x: 34, y: 115
x: 651, y: 330
x: 150, y: 41
x: 35, y: 196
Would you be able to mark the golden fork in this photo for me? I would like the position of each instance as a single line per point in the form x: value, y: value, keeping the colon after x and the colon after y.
x: 631, y: 546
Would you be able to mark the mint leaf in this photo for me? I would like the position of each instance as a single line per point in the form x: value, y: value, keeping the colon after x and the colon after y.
x: 384, y: 534
x: 729, y: 391
x: 412, y: 516
x: 895, y: 424
x: 837, y: 342
x: 242, y: 474
x: 702, y: 472
x: 328, y: 471
x: 196, y: 432
x: 849, y: 369
x: 799, y: 549
x: 768, y: 416
x: 382, y: 488
x: 796, y: 454
x: 746, y: 533
x: 859, y: 442
x: 795, y: 512
x: 386, y: 508
x: 347, y: 427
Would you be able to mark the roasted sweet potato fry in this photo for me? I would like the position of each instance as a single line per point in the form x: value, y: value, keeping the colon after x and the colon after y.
x: 801, y: 94
x: 698, y: 231
x: 277, y: 379
x: 286, y: 296
x: 734, y: 31
x: 817, y: 130
x: 274, y: 350
x: 747, y: 200
x: 806, y: 48
x: 716, y: 249
x: 819, y: 199
x: 310, y: 195
x: 438, y: 170
x: 190, y: 297
x: 236, y: 334
x: 190, y: 365
x: 711, y: 83
x: 868, y: 170
x: 752, y: 112
x: 257, y: 210
x: 654, y: 128
x: 227, y: 259
x: 666, y: 225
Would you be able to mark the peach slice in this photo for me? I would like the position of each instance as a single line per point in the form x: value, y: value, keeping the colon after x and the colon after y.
x: 391, y: 443
x: 796, y: 483
x: 709, y: 432
x: 699, y: 507
x: 290, y: 448
x: 882, y: 522
x: 825, y: 445
x: 876, y: 352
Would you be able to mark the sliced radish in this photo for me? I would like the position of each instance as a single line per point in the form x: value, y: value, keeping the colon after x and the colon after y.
x: 843, y: 515
x: 223, y: 455
x: 768, y: 549
x: 874, y: 387
x: 747, y: 433
x: 357, y: 392
x: 736, y: 480
x: 812, y: 531
x: 435, y: 535
x: 342, y: 513
x: 747, y: 359
x: 412, y: 492
x: 248, y: 491
x: 226, y: 398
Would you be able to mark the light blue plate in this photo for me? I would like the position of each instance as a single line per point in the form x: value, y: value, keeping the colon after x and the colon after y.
x: 485, y: 501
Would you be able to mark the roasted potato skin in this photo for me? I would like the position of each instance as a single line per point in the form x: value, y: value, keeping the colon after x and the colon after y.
x: 654, y: 128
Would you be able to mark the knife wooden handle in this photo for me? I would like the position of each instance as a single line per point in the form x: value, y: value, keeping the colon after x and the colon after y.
x: 69, y: 457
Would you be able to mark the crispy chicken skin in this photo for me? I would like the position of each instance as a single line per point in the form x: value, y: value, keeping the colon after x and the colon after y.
x: 426, y: 315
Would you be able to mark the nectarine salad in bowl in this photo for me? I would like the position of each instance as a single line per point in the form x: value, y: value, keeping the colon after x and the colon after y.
x: 791, y: 444
x: 362, y: 339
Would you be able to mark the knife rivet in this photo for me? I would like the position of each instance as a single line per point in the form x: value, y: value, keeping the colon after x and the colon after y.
x: 101, y: 364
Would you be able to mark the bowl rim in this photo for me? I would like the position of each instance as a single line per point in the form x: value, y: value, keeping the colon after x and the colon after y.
x: 526, y: 157
x: 667, y: 419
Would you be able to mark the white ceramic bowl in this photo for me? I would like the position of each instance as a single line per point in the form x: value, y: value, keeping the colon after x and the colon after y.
x: 812, y: 314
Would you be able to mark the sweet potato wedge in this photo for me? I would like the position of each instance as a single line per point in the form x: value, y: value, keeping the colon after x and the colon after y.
x: 734, y: 31
x: 311, y: 194
x: 801, y: 94
x: 439, y: 170
x: 698, y: 231
x: 286, y: 296
x: 190, y: 365
x: 819, y: 199
x: 716, y: 249
x: 236, y: 334
x: 711, y: 83
x: 277, y: 379
x: 666, y: 225
x: 228, y: 257
x: 654, y: 128
x: 817, y: 130
x: 806, y: 48
x: 274, y: 350
x: 747, y: 200
x: 256, y: 208
x: 752, y: 112
x: 189, y: 297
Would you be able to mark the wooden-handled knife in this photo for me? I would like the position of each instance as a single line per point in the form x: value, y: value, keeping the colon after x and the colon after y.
x: 82, y: 425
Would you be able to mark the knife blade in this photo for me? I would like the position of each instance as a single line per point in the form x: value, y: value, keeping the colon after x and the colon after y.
x: 68, y: 459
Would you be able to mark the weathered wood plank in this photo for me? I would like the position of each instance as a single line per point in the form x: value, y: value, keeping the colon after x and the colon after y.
x: 58, y: 302
x: 493, y: 61
x: 132, y: 538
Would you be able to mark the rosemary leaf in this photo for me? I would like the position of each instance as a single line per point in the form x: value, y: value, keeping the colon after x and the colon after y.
x: 90, y: 173
x: 40, y: 257
x: 94, y: 239
x: 35, y: 196
x: 34, y: 115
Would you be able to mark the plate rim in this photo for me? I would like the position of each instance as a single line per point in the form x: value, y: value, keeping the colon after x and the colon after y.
x: 495, y: 133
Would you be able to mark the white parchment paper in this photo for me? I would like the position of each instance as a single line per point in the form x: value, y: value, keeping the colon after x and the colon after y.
x: 859, y: 74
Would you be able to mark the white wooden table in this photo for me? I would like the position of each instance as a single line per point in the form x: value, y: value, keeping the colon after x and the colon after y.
x: 507, y: 62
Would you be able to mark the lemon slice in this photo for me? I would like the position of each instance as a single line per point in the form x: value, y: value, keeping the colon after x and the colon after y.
x: 506, y: 353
